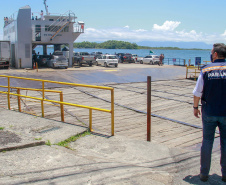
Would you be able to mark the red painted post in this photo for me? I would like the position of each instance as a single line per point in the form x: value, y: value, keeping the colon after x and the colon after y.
x: 149, y: 108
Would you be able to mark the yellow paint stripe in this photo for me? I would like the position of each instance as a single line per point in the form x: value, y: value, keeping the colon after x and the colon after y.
x: 110, y: 70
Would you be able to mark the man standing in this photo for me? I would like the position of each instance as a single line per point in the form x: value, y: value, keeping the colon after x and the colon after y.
x: 160, y: 60
x: 211, y: 88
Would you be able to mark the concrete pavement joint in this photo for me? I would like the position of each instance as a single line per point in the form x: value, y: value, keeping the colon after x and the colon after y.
x: 22, y: 146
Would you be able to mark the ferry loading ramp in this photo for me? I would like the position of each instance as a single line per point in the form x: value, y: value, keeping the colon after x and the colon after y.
x: 171, y: 158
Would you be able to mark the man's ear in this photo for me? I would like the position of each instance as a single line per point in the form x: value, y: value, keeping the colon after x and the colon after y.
x: 215, y: 55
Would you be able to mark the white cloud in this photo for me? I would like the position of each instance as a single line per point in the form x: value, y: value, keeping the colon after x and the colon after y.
x: 91, y: 29
x: 167, y: 26
x: 140, y: 30
x: 126, y: 27
x: 169, y: 34
x: 224, y: 34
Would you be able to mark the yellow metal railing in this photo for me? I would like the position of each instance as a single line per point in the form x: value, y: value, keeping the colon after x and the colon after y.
x: 31, y: 89
x: 206, y: 62
x: 192, y: 70
x: 61, y: 102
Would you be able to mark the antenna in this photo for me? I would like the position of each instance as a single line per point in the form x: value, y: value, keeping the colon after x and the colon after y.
x: 46, y: 7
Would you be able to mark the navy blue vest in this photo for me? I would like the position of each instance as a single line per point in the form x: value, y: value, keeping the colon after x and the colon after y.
x: 214, y: 89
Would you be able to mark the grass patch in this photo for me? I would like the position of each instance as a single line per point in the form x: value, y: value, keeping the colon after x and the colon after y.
x: 38, y: 138
x: 66, y: 142
x: 48, y: 143
x: 2, y: 128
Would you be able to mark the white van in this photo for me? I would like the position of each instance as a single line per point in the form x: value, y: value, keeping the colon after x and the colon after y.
x: 107, y: 60
x: 150, y: 59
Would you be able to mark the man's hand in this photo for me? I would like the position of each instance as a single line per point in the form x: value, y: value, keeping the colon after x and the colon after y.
x: 197, y: 113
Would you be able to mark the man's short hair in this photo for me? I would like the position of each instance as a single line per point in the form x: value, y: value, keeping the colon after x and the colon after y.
x: 220, y: 48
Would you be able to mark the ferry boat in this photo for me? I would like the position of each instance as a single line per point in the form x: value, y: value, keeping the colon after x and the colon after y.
x: 28, y: 29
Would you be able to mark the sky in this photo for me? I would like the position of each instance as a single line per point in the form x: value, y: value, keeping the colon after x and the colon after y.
x: 137, y: 20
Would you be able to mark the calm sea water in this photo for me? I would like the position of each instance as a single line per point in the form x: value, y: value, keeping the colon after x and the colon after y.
x: 182, y: 54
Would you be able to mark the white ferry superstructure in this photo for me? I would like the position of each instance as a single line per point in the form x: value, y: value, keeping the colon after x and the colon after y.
x: 29, y: 30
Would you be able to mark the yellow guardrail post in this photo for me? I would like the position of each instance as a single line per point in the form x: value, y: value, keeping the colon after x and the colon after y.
x: 43, y: 97
x: 112, y: 113
x: 186, y: 72
x: 37, y: 66
x: 196, y: 75
x: 8, y: 96
x: 20, y: 66
x: 62, y: 107
x: 18, y: 99
x: 90, y: 120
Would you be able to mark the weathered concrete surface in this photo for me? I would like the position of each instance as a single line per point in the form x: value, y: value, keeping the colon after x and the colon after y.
x: 99, y: 160
x: 28, y: 130
x: 95, y: 159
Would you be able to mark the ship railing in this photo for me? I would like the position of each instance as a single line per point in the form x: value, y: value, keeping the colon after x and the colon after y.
x: 175, y: 61
x: 79, y: 28
x: 68, y: 16
x: 9, y: 20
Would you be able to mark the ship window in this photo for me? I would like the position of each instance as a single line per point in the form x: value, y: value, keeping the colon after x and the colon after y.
x: 51, y: 19
x: 66, y: 29
x: 53, y: 28
x: 37, y: 28
x: 38, y: 32
x: 46, y: 27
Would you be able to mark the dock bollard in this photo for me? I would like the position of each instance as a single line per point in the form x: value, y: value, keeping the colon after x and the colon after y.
x: 149, y: 108
x: 37, y: 66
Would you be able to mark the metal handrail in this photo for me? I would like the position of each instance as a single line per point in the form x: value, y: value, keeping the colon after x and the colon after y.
x: 61, y: 102
x: 31, y: 89
x: 195, y: 70
x: 61, y: 20
x: 175, y: 61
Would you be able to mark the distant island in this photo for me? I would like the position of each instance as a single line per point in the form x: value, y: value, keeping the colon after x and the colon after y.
x: 114, y: 44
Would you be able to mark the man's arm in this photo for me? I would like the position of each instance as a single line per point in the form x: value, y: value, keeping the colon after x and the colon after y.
x: 197, y: 95
x: 196, y: 104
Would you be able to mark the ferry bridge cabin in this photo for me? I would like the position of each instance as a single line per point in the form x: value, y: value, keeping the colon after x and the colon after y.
x: 29, y: 30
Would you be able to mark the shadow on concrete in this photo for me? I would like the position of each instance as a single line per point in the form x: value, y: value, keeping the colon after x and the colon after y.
x: 213, y: 180
x: 101, y: 135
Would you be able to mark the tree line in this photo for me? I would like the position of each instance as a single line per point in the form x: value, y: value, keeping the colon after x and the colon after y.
x: 111, y: 44
x: 114, y: 44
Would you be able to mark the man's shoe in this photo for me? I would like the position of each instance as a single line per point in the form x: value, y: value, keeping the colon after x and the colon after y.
x: 224, y: 178
x: 204, y: 178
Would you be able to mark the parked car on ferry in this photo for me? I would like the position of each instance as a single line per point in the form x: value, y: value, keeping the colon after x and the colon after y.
x: 150, y: 59
x: 97, y: 54
x: 57, y: 59
x: 137, y: 58
x: 107, y: 60
x: 42, y: 60
x: 83, y: 58
x: 125, y: 57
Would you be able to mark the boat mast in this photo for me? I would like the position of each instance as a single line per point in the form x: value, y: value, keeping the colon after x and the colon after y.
x: 46, y: 7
